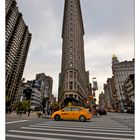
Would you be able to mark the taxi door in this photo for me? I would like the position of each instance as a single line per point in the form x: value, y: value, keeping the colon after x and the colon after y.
x: 75, y: 113
x: 65, y: 114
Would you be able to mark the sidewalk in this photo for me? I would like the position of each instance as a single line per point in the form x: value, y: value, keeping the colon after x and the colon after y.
x: 14, y: 114
x: 32, y: 115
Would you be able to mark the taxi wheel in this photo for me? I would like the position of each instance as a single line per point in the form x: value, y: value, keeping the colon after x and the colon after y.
x: 82, y: 118
x: 57, y: 117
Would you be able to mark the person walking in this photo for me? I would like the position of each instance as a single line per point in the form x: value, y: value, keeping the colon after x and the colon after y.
x: 43, y: 112
x: 48, y: 112
x: 29, y: 110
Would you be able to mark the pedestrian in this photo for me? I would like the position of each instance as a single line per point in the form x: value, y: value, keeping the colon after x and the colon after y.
x: 10, y: 110
x: 44, y: 112
x: 48, y: 112
x: 29, y: 110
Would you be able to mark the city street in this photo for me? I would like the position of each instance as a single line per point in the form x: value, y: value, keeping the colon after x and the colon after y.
x: 113, y: 126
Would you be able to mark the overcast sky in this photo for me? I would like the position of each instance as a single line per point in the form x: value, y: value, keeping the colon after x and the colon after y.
x: 108, y: 25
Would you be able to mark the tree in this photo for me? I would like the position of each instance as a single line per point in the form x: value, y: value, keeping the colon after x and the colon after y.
x: 23, y: 106
x: 8, y: 103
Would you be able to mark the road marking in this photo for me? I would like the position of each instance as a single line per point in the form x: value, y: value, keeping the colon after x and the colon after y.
x: 17, y: 121
x: 87, y: 126
x: 71, y: 135
x: 32, y: 138
x: 87, y: 123
x: 84, y: 129
x: 74, y: 131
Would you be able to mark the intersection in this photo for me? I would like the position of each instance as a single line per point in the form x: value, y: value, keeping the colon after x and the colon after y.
x: 98, y: 128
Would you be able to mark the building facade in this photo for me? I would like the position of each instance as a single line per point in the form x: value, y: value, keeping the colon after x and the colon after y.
x: 46, y: 88
x: 36, y: 99
x: 129, y: 91
x: 18, y: 40
x: 121, y: 71
x: 28, y: 93
x: 101, y: 103
x: 74, y: 84
x: 107, y: 99
x: 47, y: 84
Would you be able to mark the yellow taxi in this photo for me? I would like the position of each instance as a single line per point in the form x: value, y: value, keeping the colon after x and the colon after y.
x: 72, y: 113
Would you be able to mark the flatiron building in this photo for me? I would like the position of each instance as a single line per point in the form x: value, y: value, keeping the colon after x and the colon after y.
x: 17, y: 43
x: 74, y: 86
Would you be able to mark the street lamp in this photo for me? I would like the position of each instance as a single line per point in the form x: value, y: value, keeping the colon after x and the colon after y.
x: 94, y: 88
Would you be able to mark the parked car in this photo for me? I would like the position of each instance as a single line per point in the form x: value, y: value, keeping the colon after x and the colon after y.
x: 72, y: 113
x: 102, y: 111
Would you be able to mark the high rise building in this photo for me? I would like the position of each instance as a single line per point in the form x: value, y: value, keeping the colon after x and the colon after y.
x: 18, y: 41
x: 46, y: 88
x: 101, y: 103
x: 109, y: 91
x: 108, y: 96
x: 74, y: 84
x: 121, y: 71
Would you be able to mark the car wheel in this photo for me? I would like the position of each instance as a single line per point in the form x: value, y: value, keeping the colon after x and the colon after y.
x: 57, y: 117
x: 82, y: 118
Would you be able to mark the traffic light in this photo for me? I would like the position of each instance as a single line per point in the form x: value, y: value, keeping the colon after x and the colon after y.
x: 90, y: 97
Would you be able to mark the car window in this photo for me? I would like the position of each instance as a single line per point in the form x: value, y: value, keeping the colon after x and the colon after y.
x: 76, y: 109
x: 67, y: 109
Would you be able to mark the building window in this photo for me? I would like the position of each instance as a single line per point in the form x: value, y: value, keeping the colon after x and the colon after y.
x: 67, y: 75
x: 71, y: 48
x: 74, y: 75
x: 70, y: 85
x: 71, y: 74
x: 66, y: 85
x: 78, y: 88
x: 71, y: 65
x: 74, y: 85
x: 70, y: 56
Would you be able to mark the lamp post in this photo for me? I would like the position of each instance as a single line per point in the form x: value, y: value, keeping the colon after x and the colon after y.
x: 94, y: 88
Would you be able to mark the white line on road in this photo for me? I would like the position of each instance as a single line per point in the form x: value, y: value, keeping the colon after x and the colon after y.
x: 31, y: 137
x: 17, y: 121
x: 87, y: 123
x: 70, y: 135
x: 83, y: 132
x: 97, y: 123
x: 87, y: 126
x: 84, y: 129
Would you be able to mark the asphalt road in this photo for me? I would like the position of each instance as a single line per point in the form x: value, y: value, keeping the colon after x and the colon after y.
x: 106, y: 127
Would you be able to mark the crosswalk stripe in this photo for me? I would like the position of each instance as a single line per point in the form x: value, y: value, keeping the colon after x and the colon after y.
x: 70, y: 135
x: 85, y: 123
x: 17, y: 121
x: 74, y: 131
x: 116, y: 124
x: 87, y: 126
x: 32, y: 137
x: 84, y: 129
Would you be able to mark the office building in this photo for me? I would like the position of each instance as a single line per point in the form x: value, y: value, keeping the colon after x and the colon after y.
x: 74, y: 86
x: 18, y: 40
x: 121, y: 71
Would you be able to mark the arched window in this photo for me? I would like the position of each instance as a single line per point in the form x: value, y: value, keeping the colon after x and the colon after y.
x: 71, y: 74
x: 71, y: 64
